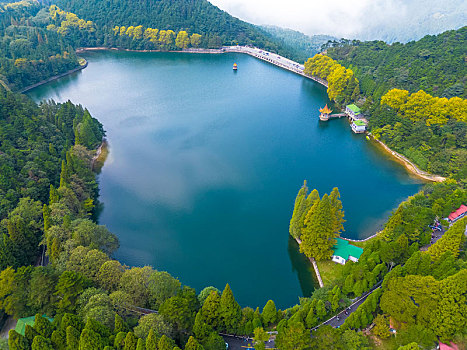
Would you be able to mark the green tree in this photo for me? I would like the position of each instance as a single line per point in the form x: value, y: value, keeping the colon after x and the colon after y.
x: 16, y: 341
x: 41, y: 343
x: 72, y: 338
x: 381, y: 328
x: 153, y: 322
x: 165, y: 343
x: 69, y: 287
x: 230, y: 312
x: 109, y: 275
x: 162, y: 286
x: 130, y: 341
x: 210, y: 310
x: 269, y: 313
x: 90, y: 340
x: 318, y: 236
x: 151, y: 340
x: 193, y: 344
x: 293, y: 337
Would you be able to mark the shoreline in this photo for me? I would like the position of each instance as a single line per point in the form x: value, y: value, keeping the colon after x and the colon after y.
x: 97, y: 162
x: 313, y: 262
x: 408, y: 165
x: 55, y: 77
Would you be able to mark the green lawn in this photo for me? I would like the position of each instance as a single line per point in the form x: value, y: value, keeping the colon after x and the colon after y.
x: 329, y: 270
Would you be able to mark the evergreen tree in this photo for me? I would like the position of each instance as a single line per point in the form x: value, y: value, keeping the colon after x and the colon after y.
x: 151, y: 341
x: 318, y: 237
x: 337, y: 211
x: 72, y: 338
x: 193, y: 344
x: 230, y: 312
x: 16, y: 341
x: 210, y: 310
x: 130, y: 341
x: 269, y: 314
x: 299, y: 208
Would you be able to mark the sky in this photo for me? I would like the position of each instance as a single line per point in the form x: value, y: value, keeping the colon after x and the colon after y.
x: 363, y: 19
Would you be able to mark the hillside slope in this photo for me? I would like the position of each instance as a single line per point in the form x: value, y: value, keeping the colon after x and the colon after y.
x: 194, y: 16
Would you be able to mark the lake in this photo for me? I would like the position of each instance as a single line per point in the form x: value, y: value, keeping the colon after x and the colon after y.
x: 205, y: 164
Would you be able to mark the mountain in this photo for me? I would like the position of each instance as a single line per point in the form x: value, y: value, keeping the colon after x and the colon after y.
x: 435, y: 64
x: 305, y: 45
x: 194, y: 16
x: 408, y: 20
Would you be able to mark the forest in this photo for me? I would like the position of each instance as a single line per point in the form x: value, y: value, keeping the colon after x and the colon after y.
x: 56, y: 260
x: 413, y: 95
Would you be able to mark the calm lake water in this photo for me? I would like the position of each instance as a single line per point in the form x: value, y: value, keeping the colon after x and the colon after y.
x: 205, y: 165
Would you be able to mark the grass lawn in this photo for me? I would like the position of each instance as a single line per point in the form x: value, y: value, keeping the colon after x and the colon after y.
x: 329, y: 270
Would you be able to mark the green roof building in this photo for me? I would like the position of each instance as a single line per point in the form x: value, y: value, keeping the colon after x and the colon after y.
x: 344, y: 251
x: 22, y: 322
x: 353, y: 111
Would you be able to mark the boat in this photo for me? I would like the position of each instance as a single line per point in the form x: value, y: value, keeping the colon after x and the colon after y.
x: 234, y: 66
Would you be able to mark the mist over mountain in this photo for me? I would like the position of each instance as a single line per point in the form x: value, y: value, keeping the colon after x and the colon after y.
x: 406, y: 21
x: 388, y: 20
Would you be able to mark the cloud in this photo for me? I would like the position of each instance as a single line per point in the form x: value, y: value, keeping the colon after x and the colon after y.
x: 366, y: 19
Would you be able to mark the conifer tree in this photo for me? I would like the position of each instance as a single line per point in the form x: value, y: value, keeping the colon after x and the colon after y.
x: 72, y: 338
x: 130, y: 341
x: 193, y: 344
x: 230, y: 312
x: 269, y: 313
x: 165, y: 343
x: 151, y: 341
x: 318, y: 236
x: 299, y: 209
x: 337, y: 210
x: 210, y: 310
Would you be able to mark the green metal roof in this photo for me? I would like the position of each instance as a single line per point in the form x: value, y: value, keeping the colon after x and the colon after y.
x: 22, y: 322
x: 354, y: 108
x: 359, y: 122
x: 343, y: 249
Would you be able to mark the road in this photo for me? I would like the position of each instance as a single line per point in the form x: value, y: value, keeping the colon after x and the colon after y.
x: 241, y: 343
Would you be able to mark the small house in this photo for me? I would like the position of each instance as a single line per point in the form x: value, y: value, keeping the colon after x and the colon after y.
x: 344, y: 251
x: 353, y: 112
x: 22, y: 322
x: 358, y: 126
x: 457, y: 214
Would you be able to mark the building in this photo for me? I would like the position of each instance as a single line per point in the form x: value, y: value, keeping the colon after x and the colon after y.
x: 22, y: 322
x: 457, y: 214
x: 324, y: 113
x: 344, y: 251
x: 358, y: 126
x: 353, y: 112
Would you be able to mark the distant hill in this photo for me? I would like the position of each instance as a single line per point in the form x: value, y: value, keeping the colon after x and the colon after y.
x: 407, y: 20
x: 436, y: 64
x: 195, y: 16
x: 305, y: 45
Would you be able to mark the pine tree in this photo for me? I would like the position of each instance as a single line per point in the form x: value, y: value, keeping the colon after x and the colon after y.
x: 151, y: 341
x: 318, y: 237
x: 269, y: 313
x: 299, y: 208
x: 338, y: 213
x: 193, y: 344
x: 230, y: 312
x: 130, y: 341
x: 210, y: 310
x: 72, y: 338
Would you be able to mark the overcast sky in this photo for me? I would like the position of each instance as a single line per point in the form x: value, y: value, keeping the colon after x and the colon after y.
x: 350, y: 18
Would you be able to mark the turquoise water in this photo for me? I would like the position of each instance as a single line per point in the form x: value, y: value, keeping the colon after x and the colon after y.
x: 205, y: 164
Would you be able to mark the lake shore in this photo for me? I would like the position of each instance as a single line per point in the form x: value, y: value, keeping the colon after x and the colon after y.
x: 55, y: 77
x: 410, y: 166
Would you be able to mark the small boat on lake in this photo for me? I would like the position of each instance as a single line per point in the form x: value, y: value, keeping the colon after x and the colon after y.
x: 235, y: 66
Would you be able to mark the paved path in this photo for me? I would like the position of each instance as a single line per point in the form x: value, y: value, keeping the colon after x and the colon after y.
x: 243, y: 343
x: 435, y: 236
x: 334, y: 322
